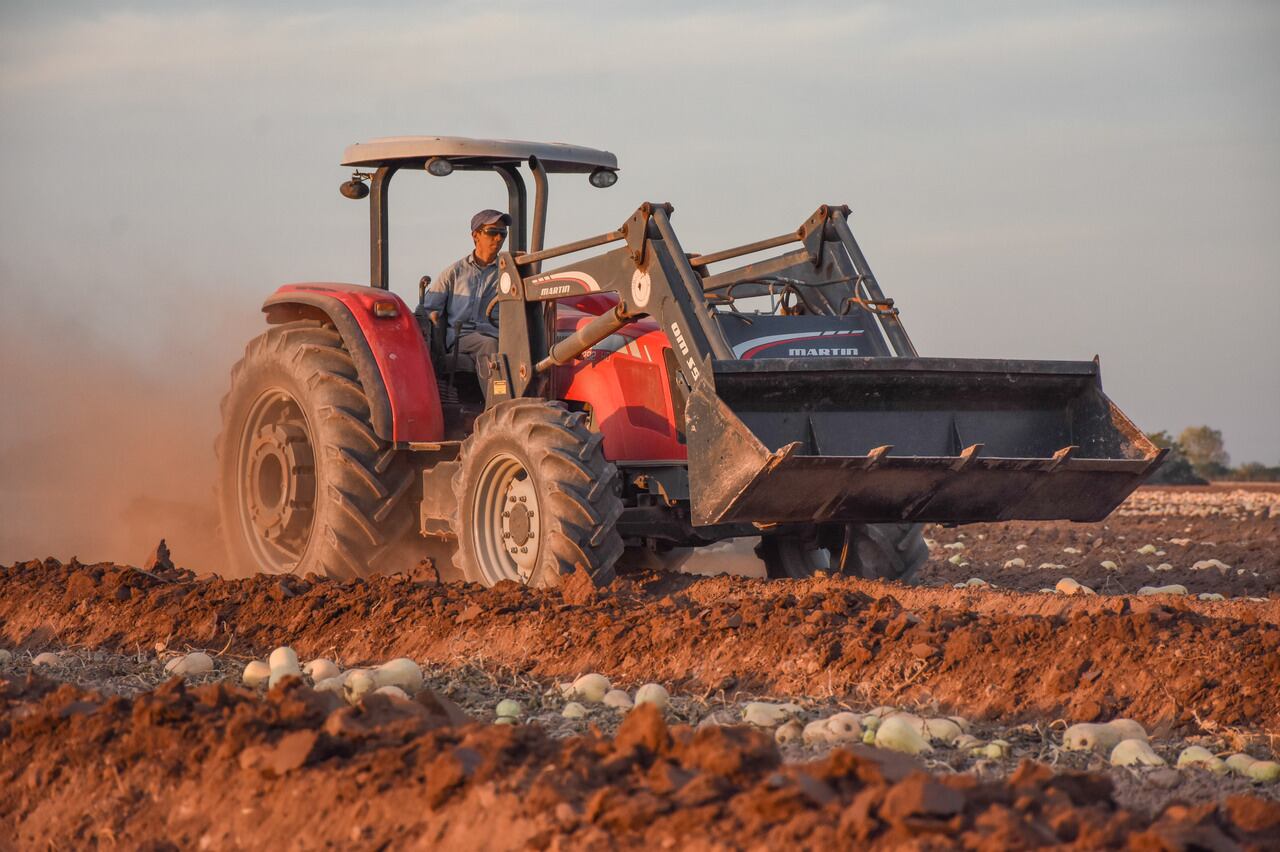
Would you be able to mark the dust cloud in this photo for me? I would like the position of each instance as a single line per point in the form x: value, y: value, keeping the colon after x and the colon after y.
x: 107, y: 446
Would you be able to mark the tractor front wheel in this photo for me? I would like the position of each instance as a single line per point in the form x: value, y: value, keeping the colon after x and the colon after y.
x: 536, y: 498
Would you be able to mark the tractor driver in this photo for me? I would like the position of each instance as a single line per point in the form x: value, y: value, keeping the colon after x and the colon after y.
x: 465, y: 289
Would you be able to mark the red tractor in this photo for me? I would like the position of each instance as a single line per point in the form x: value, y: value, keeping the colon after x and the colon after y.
x: 640, y: 404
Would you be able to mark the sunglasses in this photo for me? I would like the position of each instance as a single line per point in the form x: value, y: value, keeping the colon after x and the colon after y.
x: 494, y: 232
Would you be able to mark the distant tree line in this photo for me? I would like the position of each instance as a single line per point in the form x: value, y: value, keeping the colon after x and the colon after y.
x: 1199, y: 454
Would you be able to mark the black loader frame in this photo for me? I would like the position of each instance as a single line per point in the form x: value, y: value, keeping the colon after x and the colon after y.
x: 817, y: 440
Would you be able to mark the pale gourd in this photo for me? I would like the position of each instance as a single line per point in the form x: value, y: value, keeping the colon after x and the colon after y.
x: 816, y: 733
x: 943, y: 731
x: 359, y: 683
x: 763, y: 714
x: 402, y: 672
x: 1128, y: 729
x: 255, y: 672
x: 509, y: 707
x: 1135, y: 753
x: 617, y: 699
x: 899, y: 734
x: 197, y: 662
x: 321, y: 669
x: 1266, y: 771
x: 844, y: 727
x: 591, y: 687
x: 392, y: 692
x: 653, y: 693
x: 1089, y: 737
x: 283, y: 657
x: 48, y: 658
x: 573, y: 710
x: 788, y: 733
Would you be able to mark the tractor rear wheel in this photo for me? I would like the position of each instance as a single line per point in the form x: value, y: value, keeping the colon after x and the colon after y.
x: 305, y: 484
x: 869, y: 551
x: 536, y: 498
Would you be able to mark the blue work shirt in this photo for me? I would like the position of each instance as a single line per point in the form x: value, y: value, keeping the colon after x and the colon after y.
x: 473, y: 286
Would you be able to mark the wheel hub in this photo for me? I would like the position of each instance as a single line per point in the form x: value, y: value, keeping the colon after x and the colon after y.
x: 281, y: 482
x: 520, y: 524
x: 505, y: 524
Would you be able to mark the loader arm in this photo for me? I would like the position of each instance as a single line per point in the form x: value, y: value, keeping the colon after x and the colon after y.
x: 859, y: 439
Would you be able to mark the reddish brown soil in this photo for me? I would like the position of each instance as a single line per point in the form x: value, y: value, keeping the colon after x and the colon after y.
x: 988, y: 655
x: 218, y: 767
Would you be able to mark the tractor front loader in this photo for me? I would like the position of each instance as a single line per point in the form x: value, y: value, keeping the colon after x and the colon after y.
x: 643, y: 401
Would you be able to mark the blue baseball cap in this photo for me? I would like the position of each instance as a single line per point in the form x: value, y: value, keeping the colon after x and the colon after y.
x: 489, y: 217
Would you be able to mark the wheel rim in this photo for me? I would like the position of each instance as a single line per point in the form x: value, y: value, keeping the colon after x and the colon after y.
x: 276, y: 481
x: 506, y: 521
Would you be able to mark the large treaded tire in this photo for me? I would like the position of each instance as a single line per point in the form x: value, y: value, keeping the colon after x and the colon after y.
x: 546, y: 454
x: 354, y: 505
x: 870, y: 551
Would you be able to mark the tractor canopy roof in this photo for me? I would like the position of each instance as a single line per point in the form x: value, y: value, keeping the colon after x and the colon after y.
x: 478, y: 153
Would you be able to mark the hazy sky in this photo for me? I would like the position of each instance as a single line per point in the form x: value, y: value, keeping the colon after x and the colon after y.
x: 1028, y: 179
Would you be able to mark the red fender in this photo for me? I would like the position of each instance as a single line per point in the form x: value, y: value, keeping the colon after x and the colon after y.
x: 389, y: 352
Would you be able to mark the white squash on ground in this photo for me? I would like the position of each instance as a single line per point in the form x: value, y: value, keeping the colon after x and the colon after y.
x: 255, y: 672
x: 1266, y: 771
x: 1069, y: 586
x: 996, y: 750
x: 283, y: 657
x: 788, y: 733
x: 402, y: 672
x: 1202, y: 757
x: 1128, y: 729
x: 942, y: 730
x: 505, y: 720
x: 844, y: 728
x: 321, y: 669
x: 653, y: 693
x: 1210, y: 596
x: 967, y: 742
x: 816, y: 733
x: 618, y: 699
x: 1016, y: 562
x: 1238, y: 763
x: 899, y: 734
x: 1109, y: 565
x: 509, y: 707
x: 48, y: 658
x: 1135, y: 753
x: 331, y: 684
x: 392, y: 692
x: 359, y: 682
x: 197, y: 662
x: 591, y: 687
x: 762, y: 714
x: 870, y: 723
x: 573, y: 710
x: 1086, y: 736
x: 1172, y: 589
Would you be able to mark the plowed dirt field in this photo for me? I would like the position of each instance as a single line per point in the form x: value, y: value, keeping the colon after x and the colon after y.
x: 100, y: 748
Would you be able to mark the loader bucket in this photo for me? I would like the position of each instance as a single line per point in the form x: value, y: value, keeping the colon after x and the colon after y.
x: 909, y: 439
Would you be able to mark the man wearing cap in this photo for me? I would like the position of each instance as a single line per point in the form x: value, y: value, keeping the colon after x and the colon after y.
x: 465, y: 289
